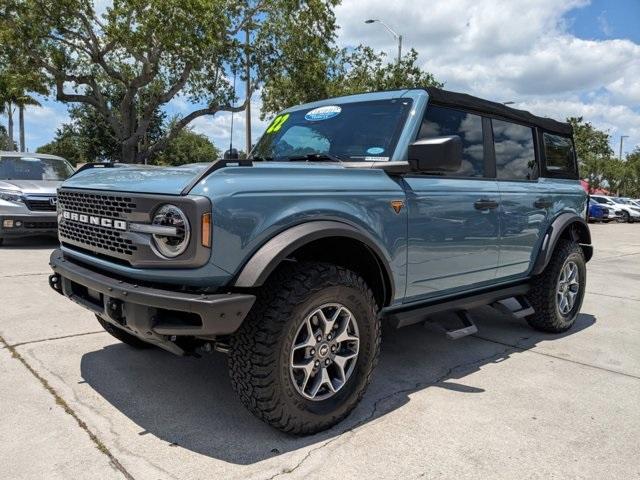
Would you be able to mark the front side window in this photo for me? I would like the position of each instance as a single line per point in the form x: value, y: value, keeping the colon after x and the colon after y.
x: 442, y: 121
x: 559, y: 155
x: 34, y: 168
x: 515, y: 153
x: 358, y: 131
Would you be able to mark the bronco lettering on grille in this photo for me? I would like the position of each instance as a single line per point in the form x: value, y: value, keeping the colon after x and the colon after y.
x: 95, y: 220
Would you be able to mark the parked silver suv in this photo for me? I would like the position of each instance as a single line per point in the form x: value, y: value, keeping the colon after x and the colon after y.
x: 28, y: 184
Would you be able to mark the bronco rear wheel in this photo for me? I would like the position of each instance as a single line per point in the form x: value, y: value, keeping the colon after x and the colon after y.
x: 304, y: 356
x: 556, y: 295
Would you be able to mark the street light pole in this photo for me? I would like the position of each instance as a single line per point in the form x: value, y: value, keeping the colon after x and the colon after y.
x: 622, y: 137
x: 392, y: 32
x: 247, y: 147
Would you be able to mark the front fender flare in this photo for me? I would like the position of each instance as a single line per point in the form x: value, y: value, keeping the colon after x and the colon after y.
x: 266, y: 259
x: 580, y: 233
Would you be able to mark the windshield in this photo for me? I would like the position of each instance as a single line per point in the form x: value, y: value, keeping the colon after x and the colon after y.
x: 360, y: 131
x: 605, y: 201
x: 34, y: 168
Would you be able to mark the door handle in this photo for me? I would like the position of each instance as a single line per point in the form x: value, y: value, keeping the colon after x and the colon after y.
x: 485, y: 204
x: 543, y: 203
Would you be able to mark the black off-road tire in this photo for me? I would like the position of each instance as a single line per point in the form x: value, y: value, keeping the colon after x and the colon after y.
x: 123, y: 336
x: 1, y: 241
x: 260, y: 351
x: 542, y: 296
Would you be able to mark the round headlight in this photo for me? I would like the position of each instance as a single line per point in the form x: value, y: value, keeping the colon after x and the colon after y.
x: 171, y: 245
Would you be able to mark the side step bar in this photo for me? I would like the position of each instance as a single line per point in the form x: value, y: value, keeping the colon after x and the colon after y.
x: 468, y: 327
x: 517, y: 306
x: 408, y: 314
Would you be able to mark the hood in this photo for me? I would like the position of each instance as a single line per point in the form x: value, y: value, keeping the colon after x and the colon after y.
x: 137, y: 179
x: 172, y: 180
x: 47, y: 187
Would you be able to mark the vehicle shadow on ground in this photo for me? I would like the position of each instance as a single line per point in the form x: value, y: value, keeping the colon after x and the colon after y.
x: 189, y: 402
x: 44, y: 242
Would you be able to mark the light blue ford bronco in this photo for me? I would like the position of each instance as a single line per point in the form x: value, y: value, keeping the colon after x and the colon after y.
x: 349, y: 214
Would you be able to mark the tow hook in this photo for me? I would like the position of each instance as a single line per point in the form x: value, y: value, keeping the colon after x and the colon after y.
x: 114, y: 309
x: 55, y: 283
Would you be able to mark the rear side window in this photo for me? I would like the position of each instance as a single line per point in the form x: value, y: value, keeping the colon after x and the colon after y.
x: 515, y: 153
x: 559, y: 156
x: 441, y: 121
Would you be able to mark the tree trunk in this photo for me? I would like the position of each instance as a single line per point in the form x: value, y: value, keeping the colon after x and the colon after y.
x: 10, y: 126
x: 21, y: 122
x: 129, y: 153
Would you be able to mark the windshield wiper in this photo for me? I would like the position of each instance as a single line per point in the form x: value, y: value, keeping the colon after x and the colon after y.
x: 260, y: 159
x: 315, y: 157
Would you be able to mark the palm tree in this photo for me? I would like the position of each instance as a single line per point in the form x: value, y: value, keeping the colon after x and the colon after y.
x: 6, y: 107
x: 13, y: 93
x: 22, y: 101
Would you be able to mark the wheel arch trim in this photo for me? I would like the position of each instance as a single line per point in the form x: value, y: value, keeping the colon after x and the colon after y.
x: 564, y: 222
x: 267, y: 258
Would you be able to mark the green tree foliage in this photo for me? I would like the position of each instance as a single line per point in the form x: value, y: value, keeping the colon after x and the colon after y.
x: 5, y: 141
x: 598, y: 164
x: 593, y: 150
x: 341, y: 72
x: 187, y: 147
x: 151, y: 50
x: 66, y: 144
x: 87, y: 138
x: 632, y: 187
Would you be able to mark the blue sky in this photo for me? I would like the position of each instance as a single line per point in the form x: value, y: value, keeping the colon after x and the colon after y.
x: 555, y: 58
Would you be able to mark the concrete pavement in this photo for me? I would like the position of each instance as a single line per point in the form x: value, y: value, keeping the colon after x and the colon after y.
x: 506, y: 403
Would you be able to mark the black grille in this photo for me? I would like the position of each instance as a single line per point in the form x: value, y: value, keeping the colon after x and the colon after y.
x: 106, y: 239
x: 40, y: 204
x: 95, y: 204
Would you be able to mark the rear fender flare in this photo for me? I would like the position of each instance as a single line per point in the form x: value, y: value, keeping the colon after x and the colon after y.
x: 564, y: 223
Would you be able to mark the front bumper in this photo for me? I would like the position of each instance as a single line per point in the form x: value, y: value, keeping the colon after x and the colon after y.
x: 154, y: 315
x: 27, y: 225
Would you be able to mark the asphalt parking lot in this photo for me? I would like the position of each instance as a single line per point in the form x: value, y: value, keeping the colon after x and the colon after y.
x: 506, y: 403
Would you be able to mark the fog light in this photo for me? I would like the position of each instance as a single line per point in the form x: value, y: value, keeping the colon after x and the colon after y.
x: 18, y: 223
x: 7, y: 224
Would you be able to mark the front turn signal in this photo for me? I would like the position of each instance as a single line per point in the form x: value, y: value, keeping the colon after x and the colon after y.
x: 206, y: 230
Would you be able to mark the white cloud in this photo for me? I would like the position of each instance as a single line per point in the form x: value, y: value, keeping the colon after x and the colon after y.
x: 511, y: 51
x: 41, y: 124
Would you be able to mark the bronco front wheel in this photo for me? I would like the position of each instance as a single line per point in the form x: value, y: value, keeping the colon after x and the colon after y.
x: 304, y: 356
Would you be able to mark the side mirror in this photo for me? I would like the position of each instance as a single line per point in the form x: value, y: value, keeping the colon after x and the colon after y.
x: 438, y: 155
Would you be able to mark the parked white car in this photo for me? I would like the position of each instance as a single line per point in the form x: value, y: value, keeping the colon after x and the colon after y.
x: 628, y: 213
x: 28, y: 183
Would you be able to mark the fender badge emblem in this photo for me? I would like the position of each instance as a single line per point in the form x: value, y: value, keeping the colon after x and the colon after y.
x: 397, y: 205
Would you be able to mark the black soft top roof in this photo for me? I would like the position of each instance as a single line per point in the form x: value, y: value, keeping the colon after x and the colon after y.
x: 469, y: 102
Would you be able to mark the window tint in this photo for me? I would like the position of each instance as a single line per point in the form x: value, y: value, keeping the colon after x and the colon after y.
x: 558, y: 152
x: 440, y: 121
x: 515, y: 154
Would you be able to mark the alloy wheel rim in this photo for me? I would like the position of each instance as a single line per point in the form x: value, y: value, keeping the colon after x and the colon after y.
x: 324, y: 352
x: 568, y: 288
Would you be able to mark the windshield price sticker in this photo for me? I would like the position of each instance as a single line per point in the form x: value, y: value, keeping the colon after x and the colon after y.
x: 277, y: 123
x: 323, y: 113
